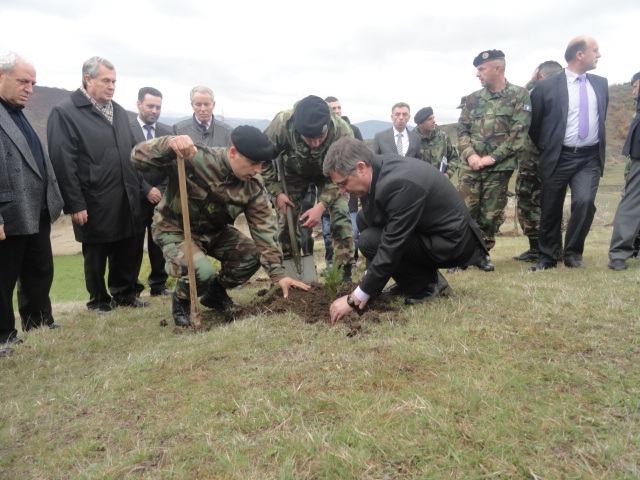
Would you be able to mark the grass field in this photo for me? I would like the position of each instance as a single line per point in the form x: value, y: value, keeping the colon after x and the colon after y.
x: 516, y: 375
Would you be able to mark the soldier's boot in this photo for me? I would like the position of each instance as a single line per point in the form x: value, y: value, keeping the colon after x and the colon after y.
x: 346, y: 274
x: 216, y: 297
x: 180, y: 310
x: 530, y: 255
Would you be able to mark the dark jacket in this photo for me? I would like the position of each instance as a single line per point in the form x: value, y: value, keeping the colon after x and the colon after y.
x: 411, y: 197
x: 218, y: 134
x: 632, y: 143
x: 549, y: 105
x: 91, y: 159
x: 384, y: 142
x: 151, y: 179
x: 21, y: 184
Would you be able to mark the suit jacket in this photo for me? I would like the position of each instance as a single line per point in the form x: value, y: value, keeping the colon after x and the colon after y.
x: 411, y: 197
x: 21, y: 184
x: 152, y: 179
x: 218, y: 134
x: 384, y: 142
x: 549, y: 104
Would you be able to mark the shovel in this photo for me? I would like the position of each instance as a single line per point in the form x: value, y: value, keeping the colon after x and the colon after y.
x: 194, y: 316
x: 300, y: 267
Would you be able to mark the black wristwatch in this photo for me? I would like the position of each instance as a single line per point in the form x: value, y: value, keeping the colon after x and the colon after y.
x: 351, y: 303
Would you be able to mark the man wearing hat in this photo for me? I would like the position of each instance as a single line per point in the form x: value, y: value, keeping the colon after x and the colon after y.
x: 222, y: 183
x: 492, y: 128
x: 435, y: 144
x: 303, y: 135
x: 627, y: 220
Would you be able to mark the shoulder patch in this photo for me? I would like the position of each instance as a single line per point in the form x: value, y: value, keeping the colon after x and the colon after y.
x: 526, y: 108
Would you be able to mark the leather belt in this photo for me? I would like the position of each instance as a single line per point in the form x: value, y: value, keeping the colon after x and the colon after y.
x: 589, y: 149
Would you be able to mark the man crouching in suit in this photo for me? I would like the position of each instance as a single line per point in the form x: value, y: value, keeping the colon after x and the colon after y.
x: 413, y: 221
x: 567, y: 126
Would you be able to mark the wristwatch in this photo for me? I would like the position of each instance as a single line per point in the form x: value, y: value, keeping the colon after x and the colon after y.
x: 351, y: 303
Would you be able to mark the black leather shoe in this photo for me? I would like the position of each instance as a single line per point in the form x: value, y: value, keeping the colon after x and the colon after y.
x: 542, y: 266
x: 530, y: 255
x: 433, y: 291
x: 394, y: 290
x: 132, y: 302
x: 102, y: 309
x: 181, y: 311
x: 5, y: 351
x: 162, y: 292
x: 456, y: 269
x: 11, y: 341
x: 617, y: 264
x: 571, y: 262
x: 484, y: 264
x: 54, y: 326
x: 216, y: 297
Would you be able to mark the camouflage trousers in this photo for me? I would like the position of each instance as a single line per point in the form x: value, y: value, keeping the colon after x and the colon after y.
x: 238, y: 256
x: 341, y: 228
x: 485, y: 194
x: 528, y: 195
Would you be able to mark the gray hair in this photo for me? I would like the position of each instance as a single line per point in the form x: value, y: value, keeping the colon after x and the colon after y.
x: 200, y: 89
x: 92, y: 66
x: 344, y: 154
x: 9, y: 60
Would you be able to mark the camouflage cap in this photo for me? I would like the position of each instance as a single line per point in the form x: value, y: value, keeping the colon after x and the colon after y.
x: 312, y: 116
x: 252, y: 143
x: 486, y: 56
x: 422, y: 115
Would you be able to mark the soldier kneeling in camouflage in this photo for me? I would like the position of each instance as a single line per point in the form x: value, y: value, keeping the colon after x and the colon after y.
x: 222, y: 183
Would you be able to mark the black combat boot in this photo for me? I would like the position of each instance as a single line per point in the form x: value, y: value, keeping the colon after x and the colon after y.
x: 216, y: 297
x: 530, y: 255
x: 346, y: 274
x: 181, y: 310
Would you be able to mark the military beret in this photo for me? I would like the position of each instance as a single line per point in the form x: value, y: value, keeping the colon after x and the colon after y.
x: 422, y: 115
x: 635, y: 77
x: 311, y: 117
x: 486, y: 56
x: 252, y: 143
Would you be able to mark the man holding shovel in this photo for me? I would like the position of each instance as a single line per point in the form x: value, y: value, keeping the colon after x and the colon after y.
x: 222, y: 183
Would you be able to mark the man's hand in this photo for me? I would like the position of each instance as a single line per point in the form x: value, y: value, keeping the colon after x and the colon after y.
x: 154, y: 195
x: 2, y: 235
x: 183, y: 145
x: 313, y: 216
x: 487, y: 161
x: 340, y: 307
x: 281, y: 203
x: 288, y: 282
x: 80, y: 217
x: 474, y: 161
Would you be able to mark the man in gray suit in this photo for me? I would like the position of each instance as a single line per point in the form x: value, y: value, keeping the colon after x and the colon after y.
x: 398, y: 139
x: 146, y: 127
x: 203, y: 128
x: 568, y: 115
x: 30, y: 202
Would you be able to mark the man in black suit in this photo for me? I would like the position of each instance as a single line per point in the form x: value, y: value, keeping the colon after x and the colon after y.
x: 413, y: 221
x: 398, y: 139
x: 627, y: 220
x: 569, y: 111
x: 29, y: 202
x: 145, y: 127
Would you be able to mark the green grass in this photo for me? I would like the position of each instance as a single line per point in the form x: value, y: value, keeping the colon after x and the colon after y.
x: 516, y: 375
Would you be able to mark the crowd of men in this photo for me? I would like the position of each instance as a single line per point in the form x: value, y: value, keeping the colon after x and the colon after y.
x: 118, y: 180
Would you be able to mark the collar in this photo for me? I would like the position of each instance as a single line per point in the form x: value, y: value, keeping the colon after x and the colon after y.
x: 10, y: 107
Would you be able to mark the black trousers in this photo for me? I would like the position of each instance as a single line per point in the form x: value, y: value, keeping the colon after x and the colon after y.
x: 421, y: 257
x: 124, y: 264
x: 26, y: 260
x: 157, y: 278
x: 580, y: 172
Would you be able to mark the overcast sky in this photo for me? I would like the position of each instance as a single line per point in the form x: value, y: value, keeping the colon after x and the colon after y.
x: 260, y: 57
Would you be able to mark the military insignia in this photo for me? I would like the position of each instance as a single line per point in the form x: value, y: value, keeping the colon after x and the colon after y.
x: 527, y: 108
x: 485, y: 55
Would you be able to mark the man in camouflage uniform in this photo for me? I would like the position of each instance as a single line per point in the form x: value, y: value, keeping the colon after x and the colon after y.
x: 528, y: 179
x: 303, y: 135
x: 435, y: 144
x: 222, y: 183
x: 492, y: 128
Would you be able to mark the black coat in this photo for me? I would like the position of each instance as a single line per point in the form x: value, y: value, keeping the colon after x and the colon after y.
x: 91, y: 159
x: 411, y: 197
x: 632, y: 143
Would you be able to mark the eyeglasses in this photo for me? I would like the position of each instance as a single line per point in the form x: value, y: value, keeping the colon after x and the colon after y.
x: 343, y: 183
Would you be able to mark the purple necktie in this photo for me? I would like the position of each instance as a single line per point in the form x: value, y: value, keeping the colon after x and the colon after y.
x: 583, y: 113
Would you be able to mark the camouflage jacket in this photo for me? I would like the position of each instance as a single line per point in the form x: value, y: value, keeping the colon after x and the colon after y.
x: 495, y: 124
x: 437, y: 146
x: 216, y: 198
x: 301, y: 163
